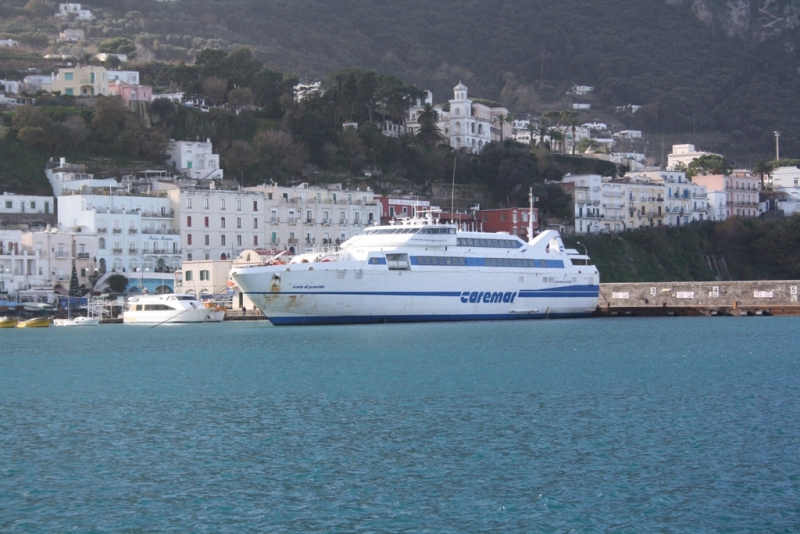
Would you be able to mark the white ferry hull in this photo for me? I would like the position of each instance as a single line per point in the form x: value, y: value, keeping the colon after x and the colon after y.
x: 340, y: 293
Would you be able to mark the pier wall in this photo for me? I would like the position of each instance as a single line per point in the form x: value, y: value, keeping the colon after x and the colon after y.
x: 774, y: 297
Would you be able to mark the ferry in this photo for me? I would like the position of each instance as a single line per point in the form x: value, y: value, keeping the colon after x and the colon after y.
x: 169, y: 308
x: 421, y: 269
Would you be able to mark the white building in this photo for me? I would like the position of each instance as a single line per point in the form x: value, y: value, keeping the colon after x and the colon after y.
x: 581, y: 89
x: 472, y: 125
x: 20, y: 267
x: 69, y: 177
x: 8, y: 43
x: 604, y: 205
x: 10, y: 203
x: 56, y: 251
x: 785, y: 177
x: 684, y: 154
x: 717, y: 205
x: 35, y: 82
x: 133, y: 232
x: 303, y: 219
x: 195, y: 159
x: 71, y: 36
x: 73, y: 10
x: 127, y: 76
x: 216, y: 224
x: 684, y: 201
x: 10, y: 86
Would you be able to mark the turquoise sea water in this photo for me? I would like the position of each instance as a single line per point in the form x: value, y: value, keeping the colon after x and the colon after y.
x: 592, y: 425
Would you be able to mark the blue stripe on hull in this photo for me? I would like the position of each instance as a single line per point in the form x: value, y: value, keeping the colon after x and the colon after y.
x: 372, y: 319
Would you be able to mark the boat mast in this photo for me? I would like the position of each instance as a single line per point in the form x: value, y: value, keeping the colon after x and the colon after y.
x: 530, y: 216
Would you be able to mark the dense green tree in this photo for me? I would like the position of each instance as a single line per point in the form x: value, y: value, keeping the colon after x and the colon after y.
x: 709, y: 164
x: 117, y: 45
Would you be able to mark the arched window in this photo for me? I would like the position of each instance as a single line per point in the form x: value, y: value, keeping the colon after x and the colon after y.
x: 101, y: 243
x: 473, y: 127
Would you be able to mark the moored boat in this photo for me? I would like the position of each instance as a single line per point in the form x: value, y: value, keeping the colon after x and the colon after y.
x: 169, y: 308
x: 36, y: 322
x: 77, y: 321
x: 7, y: 322
x: 423, y: 270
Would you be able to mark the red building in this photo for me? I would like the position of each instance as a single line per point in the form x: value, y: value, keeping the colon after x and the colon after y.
x: 393, y: 207
x: 511, y: 220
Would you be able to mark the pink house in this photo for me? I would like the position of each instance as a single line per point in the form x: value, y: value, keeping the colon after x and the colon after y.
x: 741, y: 191
x: 130, y: 92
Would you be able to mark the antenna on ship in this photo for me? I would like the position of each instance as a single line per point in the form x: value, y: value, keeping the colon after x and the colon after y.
x: 453, y: 189
x: 531, y: 199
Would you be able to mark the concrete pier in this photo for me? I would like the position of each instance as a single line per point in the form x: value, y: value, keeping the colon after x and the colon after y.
x: 771, y: 297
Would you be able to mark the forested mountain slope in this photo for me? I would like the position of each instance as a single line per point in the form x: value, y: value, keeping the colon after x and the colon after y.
x: 696, y: 65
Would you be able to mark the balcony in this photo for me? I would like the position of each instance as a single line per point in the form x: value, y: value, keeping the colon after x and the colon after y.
x: 83, y: 255
x: 309, y: 221
x: 133, y: 231
x: 275, y: 220
x: 117, y: 230
x: 293, y: 240
x: 158, y: 215
x: 326, y: 222
x: 102, y: 230
x: 131, y: 251
x: 342, y: 221
x: 614, y: 193
x: 116, y: 251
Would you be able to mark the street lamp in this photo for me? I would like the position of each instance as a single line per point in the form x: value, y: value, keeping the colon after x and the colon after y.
x: 777, y: 146
x: 585, y: 251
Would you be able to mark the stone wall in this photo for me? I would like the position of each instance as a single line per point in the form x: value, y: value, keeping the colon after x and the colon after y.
x: 701, y: 295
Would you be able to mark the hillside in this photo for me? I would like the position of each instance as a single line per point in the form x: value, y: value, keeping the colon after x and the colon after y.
x: 753, y: 249
x: 698, y: 66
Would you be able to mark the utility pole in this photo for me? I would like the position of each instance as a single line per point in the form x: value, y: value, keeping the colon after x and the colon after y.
x: 777, y: 146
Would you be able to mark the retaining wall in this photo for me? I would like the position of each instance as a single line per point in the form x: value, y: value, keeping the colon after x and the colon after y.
x: 777, y: 297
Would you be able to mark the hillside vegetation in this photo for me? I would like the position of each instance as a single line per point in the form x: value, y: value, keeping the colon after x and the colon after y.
x: 754, y: 249
x: 697, y: 66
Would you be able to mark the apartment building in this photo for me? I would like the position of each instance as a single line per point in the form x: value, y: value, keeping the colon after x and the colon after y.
x: 133, y: 232
x: 741, y: 191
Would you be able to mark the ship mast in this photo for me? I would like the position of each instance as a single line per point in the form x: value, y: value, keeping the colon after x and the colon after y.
x: 530, y: 216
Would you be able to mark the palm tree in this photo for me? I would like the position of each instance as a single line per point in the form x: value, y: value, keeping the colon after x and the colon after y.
x: 533, y: 130
x: 501, y: 119
x: 429, y: 132
x: 556, y: 138
x: 542, y: 125
x: 763, y: 169
x: 571, y: 119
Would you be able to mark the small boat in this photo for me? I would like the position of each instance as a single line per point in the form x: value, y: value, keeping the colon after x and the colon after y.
x: 89, y: 320
x: 36, y: 322
x: 77, y: 321
x: 169, y: 308
x: 7, y: 322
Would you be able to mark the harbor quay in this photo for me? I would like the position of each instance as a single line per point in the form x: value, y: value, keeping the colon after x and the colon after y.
x: 762, y: 297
